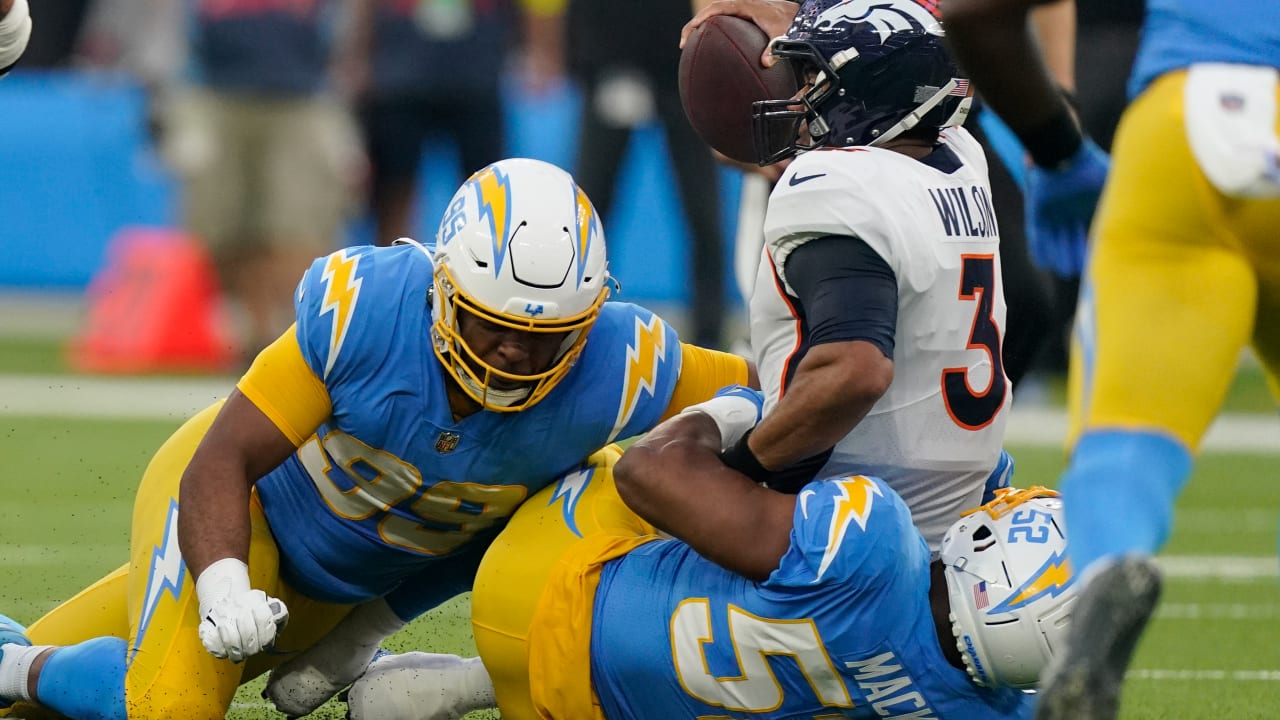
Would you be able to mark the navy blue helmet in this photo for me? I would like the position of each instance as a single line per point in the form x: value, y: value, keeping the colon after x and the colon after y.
x: 878, y: 68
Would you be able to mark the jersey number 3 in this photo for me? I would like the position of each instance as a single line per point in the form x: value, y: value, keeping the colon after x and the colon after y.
x: 975, y: 409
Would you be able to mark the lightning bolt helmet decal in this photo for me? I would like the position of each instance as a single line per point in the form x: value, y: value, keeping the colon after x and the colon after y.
x: 493, y: 197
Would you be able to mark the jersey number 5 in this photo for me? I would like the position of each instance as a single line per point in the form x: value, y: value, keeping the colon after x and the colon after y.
x: 975, y: 409
x: 753, y: 640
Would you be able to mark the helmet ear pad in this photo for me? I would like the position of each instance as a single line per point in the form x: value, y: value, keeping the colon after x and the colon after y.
x: 880, y: 93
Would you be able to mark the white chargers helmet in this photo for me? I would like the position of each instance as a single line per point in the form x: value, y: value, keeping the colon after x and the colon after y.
x: 520, y: 246
x: 1011, y: 586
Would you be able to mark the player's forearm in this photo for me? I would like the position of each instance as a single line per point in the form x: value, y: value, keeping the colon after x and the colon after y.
x: 214, y: 520
x: 835, y: 387
x: 652, y: 474
x: 1055, y: 26
x: 673, y: 478
x: 993, y: 41
x: 240, y: 446
x: 5, y: 7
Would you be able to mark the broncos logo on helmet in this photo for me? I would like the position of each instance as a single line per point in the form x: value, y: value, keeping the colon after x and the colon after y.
x: 886, y: 18
x: 877, y: 69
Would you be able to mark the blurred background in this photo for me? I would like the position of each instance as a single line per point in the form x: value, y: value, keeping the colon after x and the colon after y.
x: 199, y: 154
x: 172, y: 166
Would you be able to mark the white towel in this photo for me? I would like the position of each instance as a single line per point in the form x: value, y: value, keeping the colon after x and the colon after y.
x: 1231, y: 126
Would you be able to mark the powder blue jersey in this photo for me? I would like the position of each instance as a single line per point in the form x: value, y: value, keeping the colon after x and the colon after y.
x: 841, y: 629
x: 1178, y: 33
x: 391, y: 487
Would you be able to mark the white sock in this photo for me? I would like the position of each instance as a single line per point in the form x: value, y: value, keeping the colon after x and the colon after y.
x: 15, y: 666
x: 477, y: 687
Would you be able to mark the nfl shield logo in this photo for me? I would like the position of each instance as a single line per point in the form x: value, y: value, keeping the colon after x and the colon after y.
x: 447, y: 442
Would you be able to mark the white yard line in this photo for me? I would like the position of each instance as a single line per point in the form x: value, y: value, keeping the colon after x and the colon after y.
x: 1255, y: 433
x: 1218, y: 611
x: 175, y: 398
x: 1183, y: 675
x: 131, y: 398
x: 1219, y: 567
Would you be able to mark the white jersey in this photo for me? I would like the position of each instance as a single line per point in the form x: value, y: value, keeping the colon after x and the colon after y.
x: 936, y: 434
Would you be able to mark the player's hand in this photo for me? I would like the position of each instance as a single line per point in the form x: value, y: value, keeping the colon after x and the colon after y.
x: 771, y: 16
x: 1060, y: 205
x: 236, y: 621
x: 420, y: 686
x: 735, y: 410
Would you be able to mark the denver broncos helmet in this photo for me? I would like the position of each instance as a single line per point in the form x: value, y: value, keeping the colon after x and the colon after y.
x: 1010, y: 585
x: 878, y: 69
x: 521, y: 247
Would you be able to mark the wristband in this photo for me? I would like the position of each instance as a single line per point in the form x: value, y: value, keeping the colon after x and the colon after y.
x: 740, y: 458
x: 15, y: 31
x: 221, y: 580
x: 1055, y: 141
x: 734, y: 413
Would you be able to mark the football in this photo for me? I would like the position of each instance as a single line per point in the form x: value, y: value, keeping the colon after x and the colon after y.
x: 720, y: 78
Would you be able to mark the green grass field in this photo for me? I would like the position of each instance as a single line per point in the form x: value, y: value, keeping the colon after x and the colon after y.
x: 1214, y: 650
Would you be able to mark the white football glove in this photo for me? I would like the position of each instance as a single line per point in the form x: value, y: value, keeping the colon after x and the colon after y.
x: 305, y: 682
x: 735, y: 409
x: 15, y: 32
x: 420, y: 686
x: 236, y: 620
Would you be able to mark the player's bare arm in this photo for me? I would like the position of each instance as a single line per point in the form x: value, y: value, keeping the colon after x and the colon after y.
x: 994, y: 42
x: 834, y: 387
x: 674, y: 478
x: 241, y: 446
x: 1055, y: 26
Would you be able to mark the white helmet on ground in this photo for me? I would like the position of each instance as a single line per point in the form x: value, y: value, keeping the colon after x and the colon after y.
x: 1011, y: 586
x: 520, y: 246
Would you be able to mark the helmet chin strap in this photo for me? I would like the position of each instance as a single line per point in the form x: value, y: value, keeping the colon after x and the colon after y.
x: 493, y: 396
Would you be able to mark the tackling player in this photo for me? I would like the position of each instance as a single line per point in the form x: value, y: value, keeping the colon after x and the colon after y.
x: 1184, y: 272
x: 15, y: 32
x: 822, y: 604
x: 357, y: 472
x: 878, y: 312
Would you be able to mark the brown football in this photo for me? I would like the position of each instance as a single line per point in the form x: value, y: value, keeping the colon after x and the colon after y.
x: 720, y: 78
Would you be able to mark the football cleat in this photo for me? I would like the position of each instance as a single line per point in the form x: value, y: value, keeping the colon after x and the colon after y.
x: 10, y: 632
x: 1083, y: 682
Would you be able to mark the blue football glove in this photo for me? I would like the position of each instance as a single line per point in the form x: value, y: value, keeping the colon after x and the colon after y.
x: 1059, y: 208
x: 735, y: 409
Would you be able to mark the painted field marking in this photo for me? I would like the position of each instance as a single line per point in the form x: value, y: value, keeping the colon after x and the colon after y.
x: 1183, y: 675
x: 179, y: 398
